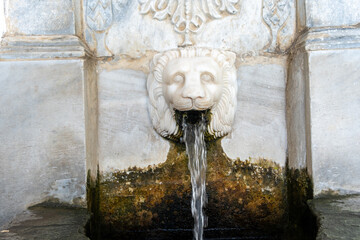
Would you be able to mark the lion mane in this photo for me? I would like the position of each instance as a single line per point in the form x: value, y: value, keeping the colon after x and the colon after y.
x: 222, y: 113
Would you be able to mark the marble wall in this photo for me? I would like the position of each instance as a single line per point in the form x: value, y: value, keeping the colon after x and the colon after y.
x: 2, y: 19
x: 126, y: 135
x: 134, y: 27
x: 260, y: 127
x: 42, y: 145
x: 33, y: 17
x: 327, y: 13
x: 259, y: 130
x: 63, y: 114
x: 322, y: 130
x: 334, y: 80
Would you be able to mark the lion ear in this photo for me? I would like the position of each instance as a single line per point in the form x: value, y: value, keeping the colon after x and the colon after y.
x: 155, y: 60
x: 231, y: 57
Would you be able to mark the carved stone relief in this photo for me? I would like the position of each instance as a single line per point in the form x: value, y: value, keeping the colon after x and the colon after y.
x: 131, y: 28
x: 99, y: 17
x: 275, y: 14
x: 188, y: 16
x: 192, y: 79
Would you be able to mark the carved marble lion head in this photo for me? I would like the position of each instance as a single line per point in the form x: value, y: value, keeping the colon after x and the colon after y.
x: 192, y: 79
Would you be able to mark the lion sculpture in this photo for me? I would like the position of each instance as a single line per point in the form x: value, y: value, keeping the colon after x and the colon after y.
x: 192, y: 79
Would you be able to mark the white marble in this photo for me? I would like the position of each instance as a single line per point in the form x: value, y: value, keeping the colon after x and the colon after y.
x: 334, y: 78
x: 241, y: 32
x: 42, y: 144
x: 192, y: 79
x: 189, y: 17
x: 324, y: 13
x: 247, y: 31
x: 329, y: 38
x: 54, y: 127
x: 139, y: 35
x: 126, y: 135
x: 42, y: 47
x: 259, y: 129
x: 2, y: 19
x: 45, y: 17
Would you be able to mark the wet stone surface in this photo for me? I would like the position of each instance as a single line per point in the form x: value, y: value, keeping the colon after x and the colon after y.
x: 339, y: 217
x: 245, y: 199
x: 50, y: 223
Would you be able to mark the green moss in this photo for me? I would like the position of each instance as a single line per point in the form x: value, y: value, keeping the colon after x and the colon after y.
x: 302, y: 222
x: 245, y: 194
x: 93, y: 205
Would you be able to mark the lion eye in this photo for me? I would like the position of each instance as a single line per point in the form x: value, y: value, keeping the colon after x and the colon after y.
x: 207, y: 77
x: 178, y: 78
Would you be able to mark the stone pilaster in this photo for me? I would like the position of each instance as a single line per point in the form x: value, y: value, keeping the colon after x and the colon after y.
x: 48, y: 106
x: 322, y: 96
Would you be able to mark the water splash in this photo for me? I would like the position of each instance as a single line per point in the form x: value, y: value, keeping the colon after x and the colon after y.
x: 196, y: 151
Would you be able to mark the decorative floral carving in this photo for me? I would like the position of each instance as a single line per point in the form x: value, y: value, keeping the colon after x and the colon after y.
x: 175, y: 84
x: 188, y: 16
x: 275, y: 14
x: 99, y: 17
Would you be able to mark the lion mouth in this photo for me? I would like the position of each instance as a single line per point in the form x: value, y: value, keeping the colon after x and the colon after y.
x: 191, y: 116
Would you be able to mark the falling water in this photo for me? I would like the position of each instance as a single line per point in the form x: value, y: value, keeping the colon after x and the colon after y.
x: 196, y: 151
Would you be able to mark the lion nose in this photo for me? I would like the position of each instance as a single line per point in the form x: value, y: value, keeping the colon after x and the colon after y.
x: 193, y: 89
x: 193, y: 93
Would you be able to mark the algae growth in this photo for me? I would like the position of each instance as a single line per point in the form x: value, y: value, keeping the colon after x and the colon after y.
x: 241, y: 195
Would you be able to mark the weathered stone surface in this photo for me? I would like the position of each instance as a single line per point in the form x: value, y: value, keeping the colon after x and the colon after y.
x: 126, y: 135
x: 46, y: 17
x: 324, y: 13
x: 242, y: 32
x: 259, y: 128
x: 45, y: 133
x: 296, y: 111
x: 2, y: 19
x: 47, y: 223
x: 339, y: 217
x: 247, y: 30
x: 322, y: 114
x: 91, y: 119
x: 329, y: 39
x: 249, y: 197
x: 42, y: 144
x: 335, y: 126
x: 42, y: 47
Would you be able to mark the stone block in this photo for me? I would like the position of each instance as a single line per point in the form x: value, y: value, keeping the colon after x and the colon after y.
x: 2, y: 19
x: 326, y: 13
x: 126, y: 135
x: 46, y: 17
x: 42, y: 144
x: 259, y: 129
x: 42, y: 47
x: 334, y: 80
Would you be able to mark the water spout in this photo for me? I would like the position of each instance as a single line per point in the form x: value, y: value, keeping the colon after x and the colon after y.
x: 196, y: 151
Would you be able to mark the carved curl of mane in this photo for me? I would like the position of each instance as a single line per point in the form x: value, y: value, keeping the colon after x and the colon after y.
x: 222, y: 113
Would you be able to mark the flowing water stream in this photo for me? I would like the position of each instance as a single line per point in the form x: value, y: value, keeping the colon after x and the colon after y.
x: 196, y: 151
